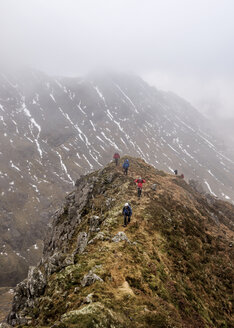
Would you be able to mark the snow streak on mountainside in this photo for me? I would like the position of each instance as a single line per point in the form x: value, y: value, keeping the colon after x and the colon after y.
x: 54, y: 129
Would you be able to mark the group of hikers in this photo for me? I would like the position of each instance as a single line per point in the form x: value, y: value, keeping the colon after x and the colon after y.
x: 125, y: 164
x: 127, y: 211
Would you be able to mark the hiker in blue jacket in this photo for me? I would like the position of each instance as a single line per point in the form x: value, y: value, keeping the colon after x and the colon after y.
x: 126, y: 166
x: 127, y: 212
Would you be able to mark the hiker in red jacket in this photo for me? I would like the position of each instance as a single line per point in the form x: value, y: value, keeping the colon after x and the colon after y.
x: 139, y: 182
x: 116, y: 158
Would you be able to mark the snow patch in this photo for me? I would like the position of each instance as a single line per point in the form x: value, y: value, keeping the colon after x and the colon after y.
x: 209, y: 188
x: 123, y: 93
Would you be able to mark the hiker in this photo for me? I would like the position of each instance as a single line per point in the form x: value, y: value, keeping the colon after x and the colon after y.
x: 127, y: 212
x: 116, y: 158
x: 182, y: 176
x: 176, y: 172
x: 126, y: 166
x: 139, y: 182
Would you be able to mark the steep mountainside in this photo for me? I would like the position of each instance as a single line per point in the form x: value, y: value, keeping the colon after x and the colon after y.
x: 54, y: 129
x: 224, y: 128
x: 171, y: 267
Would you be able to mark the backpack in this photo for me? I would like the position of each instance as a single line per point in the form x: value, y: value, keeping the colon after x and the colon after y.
x: 125, y: 164
x: 127, y: 210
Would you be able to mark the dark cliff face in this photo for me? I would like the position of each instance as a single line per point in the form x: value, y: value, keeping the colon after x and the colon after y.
x: 171, y: 266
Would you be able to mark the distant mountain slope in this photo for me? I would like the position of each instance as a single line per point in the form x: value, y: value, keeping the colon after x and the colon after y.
x: 224, y: 128
x: 54, y: 129
x: 171, y: 267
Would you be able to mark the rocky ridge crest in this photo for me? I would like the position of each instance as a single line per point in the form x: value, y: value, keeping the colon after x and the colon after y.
x: 171, y: 267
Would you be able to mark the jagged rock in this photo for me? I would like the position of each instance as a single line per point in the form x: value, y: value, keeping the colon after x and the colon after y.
x: 109, y: 178
x: 69, y: 260
x: 62, y: 231
x: 57, y: 262
x: 94, y: 222
x: 83, y: 193
x: 72, y: 211
x: 90, y: 278
x: 82, y: 241
x: 154, y: 186
x: 80, y: 181
x: 109, y: 201
x: 36, y: 282
x: 57, y: 214
x: 70, y: 196
x: 99, y: 236
x: 120, y: 236
x: 25, y: 295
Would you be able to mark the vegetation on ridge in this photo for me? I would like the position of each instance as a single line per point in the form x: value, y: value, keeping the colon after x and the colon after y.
x: 175, y: 269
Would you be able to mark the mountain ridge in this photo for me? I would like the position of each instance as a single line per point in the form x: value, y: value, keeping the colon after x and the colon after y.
x: 171, y: 266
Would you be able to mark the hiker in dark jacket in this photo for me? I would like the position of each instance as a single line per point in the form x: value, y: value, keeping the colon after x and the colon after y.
x: 116, y: 158
x: 127, y: 213
x: 139, y: 182
x: 176, y: 172
x: 126, y: 166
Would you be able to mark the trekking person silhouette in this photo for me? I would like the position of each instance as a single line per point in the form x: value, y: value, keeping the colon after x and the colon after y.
x: 126, y: 166
x: 176, y: 172
x: 127, y: 213
x: 116, y: 158
x: 139, y: 182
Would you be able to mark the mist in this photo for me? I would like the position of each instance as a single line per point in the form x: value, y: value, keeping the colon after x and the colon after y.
x: 183, y: 46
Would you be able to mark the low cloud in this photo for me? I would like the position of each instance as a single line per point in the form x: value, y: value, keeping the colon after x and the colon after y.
x: 183, y: 46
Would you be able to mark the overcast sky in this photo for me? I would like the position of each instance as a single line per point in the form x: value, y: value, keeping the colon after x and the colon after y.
x: 186, y: 46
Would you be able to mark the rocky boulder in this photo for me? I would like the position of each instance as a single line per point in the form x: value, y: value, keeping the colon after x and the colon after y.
x: 90, y: 279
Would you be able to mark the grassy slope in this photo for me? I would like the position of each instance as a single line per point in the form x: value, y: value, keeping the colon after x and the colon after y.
x: 178, y: 274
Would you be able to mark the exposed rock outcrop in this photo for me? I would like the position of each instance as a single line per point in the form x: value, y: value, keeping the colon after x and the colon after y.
x: 90, y: 278
x: 26, y: 296
x: 58, y: 253
x: 120, y: 236
x: 82, y: 241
